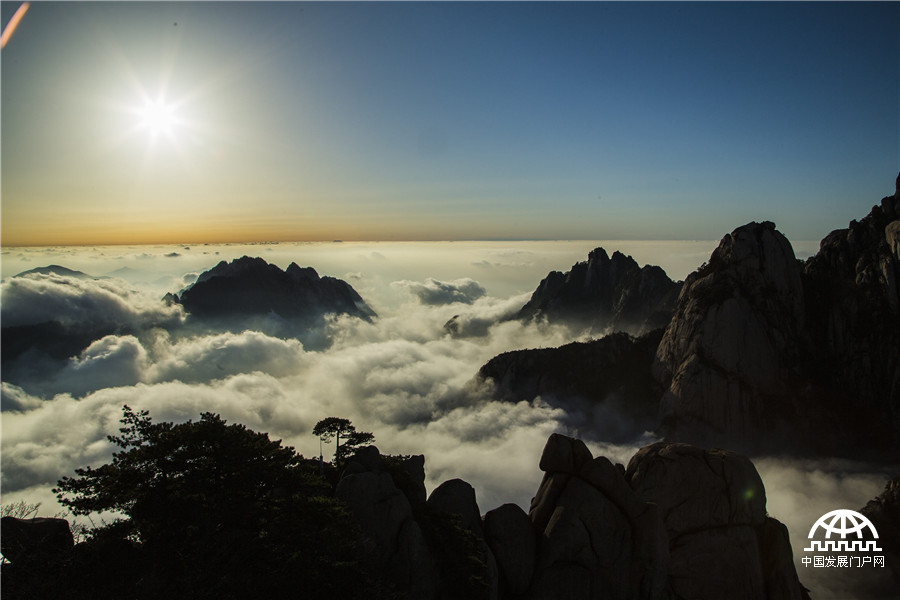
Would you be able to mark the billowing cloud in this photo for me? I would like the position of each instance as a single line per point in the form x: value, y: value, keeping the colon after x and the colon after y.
x: 478, y: 320
x: 84, y: 303
x: 111, y: 361
x: 14, y: 398
x: 401, y: 377
x: 207, y: 358
x: 434, y: 292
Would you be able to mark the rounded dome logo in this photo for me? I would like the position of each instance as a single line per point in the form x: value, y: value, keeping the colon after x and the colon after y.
x: 839, y: 525
x: 843, y: 531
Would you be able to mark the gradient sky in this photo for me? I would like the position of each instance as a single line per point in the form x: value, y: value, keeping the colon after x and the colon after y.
x: 421, y: 121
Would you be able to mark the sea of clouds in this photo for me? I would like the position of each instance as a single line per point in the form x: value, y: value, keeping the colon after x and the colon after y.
x: 402, y: 376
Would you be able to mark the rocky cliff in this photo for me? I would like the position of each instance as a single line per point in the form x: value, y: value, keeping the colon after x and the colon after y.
x: 729, y: 358
x: 606, y: 294
x: 767, y: 353
x: 250, y: 286
x: 853, y: 321
x: 762, y: 352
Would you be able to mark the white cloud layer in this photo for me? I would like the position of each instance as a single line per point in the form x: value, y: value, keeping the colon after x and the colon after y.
x: 85, y: 303
x: 402, y: 377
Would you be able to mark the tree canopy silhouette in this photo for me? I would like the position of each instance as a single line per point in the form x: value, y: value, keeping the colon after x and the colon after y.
x: 337, y: 428
x: 213, y: 510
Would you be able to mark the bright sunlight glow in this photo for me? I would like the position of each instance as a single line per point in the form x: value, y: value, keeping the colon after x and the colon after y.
x: 158, y: 116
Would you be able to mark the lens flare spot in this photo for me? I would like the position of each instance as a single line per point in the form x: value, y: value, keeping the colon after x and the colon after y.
x: 13, y: 23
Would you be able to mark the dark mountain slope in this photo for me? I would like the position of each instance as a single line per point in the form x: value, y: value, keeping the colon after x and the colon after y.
x: 250, y: 286
x: 55, y: 270
x: 604, y: 385
x: 606, y: 294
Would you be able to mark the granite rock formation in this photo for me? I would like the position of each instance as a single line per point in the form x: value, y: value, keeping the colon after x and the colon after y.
x: 763, y: 352
x: 853, y: 319
x: 767, y: 353
x: 680, y: 522
x: 432, y: 548
x: 603, y: 385
x: 395, y: 541
x: 251, y: 286
x: 606, y: 294
x: 732, y: 349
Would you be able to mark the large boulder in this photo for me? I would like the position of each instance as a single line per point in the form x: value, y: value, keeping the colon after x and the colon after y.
x: 697, y: 489
x: 563, y: 454
x: 680, y: 522
x: 456, y: 498
x: 395, y: 541
x: 596, y: 539
x: 512, y: 541
x: 41, y: 539
x: 721, y: 542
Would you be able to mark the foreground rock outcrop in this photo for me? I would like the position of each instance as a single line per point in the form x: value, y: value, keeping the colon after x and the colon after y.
x: 428, y: 549
x: 679, y: 522
x: 39, y: 540
x: 606, y: 294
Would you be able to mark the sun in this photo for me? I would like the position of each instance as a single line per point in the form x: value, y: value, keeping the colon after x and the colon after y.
x: 157, y: 117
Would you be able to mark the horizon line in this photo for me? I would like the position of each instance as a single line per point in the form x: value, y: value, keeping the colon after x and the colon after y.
x: 355, y: 241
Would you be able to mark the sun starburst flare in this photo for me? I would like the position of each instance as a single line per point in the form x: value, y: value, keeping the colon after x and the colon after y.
x: 157, y: 116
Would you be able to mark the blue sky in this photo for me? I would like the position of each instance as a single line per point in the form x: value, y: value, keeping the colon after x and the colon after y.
x: 392, y: 121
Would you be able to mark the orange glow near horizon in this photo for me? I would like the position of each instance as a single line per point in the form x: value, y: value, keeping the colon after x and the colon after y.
x: 13, y: 23
x: 61, y: 231
x: 147, y: 234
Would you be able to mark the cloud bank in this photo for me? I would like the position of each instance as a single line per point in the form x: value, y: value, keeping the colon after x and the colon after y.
x: 82, y: 303
x: 402, y: 376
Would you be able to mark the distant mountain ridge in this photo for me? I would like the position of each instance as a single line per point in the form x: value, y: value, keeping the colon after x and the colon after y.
x: 251, y: 286
x: 606, y: 294
x: 55, y: 270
